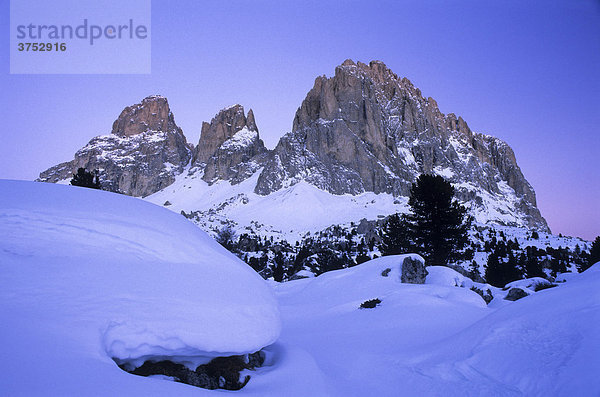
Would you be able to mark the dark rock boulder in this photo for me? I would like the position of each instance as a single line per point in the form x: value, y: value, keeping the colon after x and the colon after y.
x: 515, y: 294
x: 413, y: 271
x: 219, y: 373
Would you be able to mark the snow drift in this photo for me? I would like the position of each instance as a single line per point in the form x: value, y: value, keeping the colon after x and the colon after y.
x: 88, y: 276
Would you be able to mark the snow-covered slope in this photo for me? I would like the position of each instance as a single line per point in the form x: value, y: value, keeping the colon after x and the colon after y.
x: 88, y: 276
x: 288, y: 213
x: 438, y: 339
x: 543, y: 345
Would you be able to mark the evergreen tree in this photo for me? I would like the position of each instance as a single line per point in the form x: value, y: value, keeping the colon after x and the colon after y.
x: 279, y: 268
x: 512, y: 268
x: 395, y: 236
x: 254, y: 263
x: 474, y: 273
x: 594, y: 255
x: 493, y: 271
x: 557, y: 266
x: 85, y: 178
x: 437, y: 224
x: 328, y: 260
x: 499, y: 273
x: 501, y: 249
x: 533, y: 267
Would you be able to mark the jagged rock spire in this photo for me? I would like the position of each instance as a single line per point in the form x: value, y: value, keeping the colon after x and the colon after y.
x: 222, y: 127
x: 230, y: 147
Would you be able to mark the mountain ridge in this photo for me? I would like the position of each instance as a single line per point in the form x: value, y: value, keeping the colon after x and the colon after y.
x: 362, y: 130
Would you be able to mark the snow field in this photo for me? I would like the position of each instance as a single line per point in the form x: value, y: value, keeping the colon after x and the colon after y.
x: 88, y: 275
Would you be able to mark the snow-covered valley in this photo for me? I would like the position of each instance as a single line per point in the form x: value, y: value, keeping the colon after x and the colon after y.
x: 91, y: 277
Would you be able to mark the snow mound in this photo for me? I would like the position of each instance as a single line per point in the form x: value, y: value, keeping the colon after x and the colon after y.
x: 362, y: 352
x: 89, y: 275
x: 442, y: 275
x: 439, y: 340
x: 529, y: 285
x: 344, y: 290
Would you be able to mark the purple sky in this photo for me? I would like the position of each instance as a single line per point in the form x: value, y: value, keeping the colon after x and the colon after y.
x: 526, y: 72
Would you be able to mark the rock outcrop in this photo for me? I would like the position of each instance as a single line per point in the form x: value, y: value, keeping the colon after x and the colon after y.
x: 219, y: 373
x: 144, y: 153
x: 366, y: 129
x: 413, y: 271
x: 230, y: 147
x: 153, y: 114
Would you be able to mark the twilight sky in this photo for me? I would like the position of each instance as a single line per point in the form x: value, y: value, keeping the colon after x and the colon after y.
x: 527, y: 72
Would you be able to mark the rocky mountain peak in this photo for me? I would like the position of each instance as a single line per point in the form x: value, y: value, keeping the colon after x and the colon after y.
x: 250, y: 122
x: 367, y: 130
x: 222, y: 127
x: 377, y: 71
x: 230, y: 147
x: 152, y: 114
x: 143, y: 154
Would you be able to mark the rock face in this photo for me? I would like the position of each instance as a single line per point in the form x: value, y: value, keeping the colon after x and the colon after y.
x: 153, y: 114
x: 144, y: 153
x: 365, y: 129
x: 230, y: 147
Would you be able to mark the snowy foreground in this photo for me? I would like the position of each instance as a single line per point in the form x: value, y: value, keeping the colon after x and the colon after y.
x: 88, y: 276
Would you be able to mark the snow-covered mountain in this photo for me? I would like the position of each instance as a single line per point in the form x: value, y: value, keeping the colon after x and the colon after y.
x: 230, y: 148
x: 359, y: 139
x: 143, y: 153
x: 366, y: 130
x: 93, y: 279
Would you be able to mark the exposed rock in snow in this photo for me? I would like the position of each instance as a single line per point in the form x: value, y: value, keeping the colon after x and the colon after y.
x: 515, y: 294
x: 413, y: 271
x: 219, y: 373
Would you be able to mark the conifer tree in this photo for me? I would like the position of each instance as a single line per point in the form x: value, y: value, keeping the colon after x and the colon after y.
x: 499, y: 273
x: 395, y: 236
x: 279, y: 267
x: 84, y: 178
x: 594, y: 255
x: 436, y: 228
x: 533, y: 267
